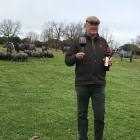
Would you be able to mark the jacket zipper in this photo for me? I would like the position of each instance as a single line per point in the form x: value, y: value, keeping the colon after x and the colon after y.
x: 93, y: 44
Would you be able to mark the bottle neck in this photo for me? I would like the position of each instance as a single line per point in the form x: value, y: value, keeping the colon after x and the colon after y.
x: 108, y: 49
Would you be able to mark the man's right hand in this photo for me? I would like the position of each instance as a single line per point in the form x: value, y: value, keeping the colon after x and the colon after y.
x: 80, y: 55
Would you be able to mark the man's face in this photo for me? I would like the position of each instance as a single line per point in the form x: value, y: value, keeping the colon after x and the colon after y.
x: 92, y: 28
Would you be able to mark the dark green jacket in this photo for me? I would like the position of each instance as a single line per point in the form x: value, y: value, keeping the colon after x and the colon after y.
x: 89, y: 70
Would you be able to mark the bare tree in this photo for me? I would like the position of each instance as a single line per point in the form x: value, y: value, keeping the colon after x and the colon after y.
x: 73, y: 30
x: 53, y: 31
x: 47, y: 32
x: 138, y: 40
x: 80, y: 29
x: 116, y: 45
x: 69, y: 32
x: 108, y: 35
x: 135, y: 41
x: 32, y: 37
x: 58, y: 29
x: 9, y: 28
x: 132, y: 41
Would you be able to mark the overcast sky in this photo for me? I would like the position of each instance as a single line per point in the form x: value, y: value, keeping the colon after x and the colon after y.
x: 120, y: 16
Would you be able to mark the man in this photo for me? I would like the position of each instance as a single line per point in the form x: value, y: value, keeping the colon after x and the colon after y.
x: 89, y: 77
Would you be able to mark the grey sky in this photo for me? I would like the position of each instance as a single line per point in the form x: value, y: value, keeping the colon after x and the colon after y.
x: 120, y: 16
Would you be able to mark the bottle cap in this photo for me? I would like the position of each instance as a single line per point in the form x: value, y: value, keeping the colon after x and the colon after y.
x: 108, y: 49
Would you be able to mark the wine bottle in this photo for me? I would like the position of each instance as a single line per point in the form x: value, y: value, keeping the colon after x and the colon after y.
x: 106, y: 58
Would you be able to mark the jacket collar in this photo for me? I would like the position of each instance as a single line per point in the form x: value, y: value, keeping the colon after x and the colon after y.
x: 90, y: 37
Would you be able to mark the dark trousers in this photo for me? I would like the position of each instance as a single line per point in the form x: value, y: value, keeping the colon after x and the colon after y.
x: 97, y: 95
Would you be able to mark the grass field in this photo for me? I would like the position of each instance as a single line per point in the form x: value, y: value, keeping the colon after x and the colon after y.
x: 37, y: 98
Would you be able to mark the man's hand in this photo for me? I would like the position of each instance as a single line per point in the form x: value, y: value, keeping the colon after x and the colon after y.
x: 110, y: 61
x: 80, y: 55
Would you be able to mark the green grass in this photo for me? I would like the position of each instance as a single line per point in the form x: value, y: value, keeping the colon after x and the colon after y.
x: 37, y: 98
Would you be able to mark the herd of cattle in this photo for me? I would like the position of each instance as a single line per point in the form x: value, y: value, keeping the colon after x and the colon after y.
x: 29, y: 51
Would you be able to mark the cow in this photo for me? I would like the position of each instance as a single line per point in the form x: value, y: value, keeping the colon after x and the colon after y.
x: 65, y: 50
x: 8, y: 56
x: 48, y: 54
x: 9, y: 46
x: 125, y: 54
x: 44, y: 48
x: 21, y: 47
x: 20, y: 56
x: 2, y: 56
x: 36, y: 54
x: 32, y: 47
